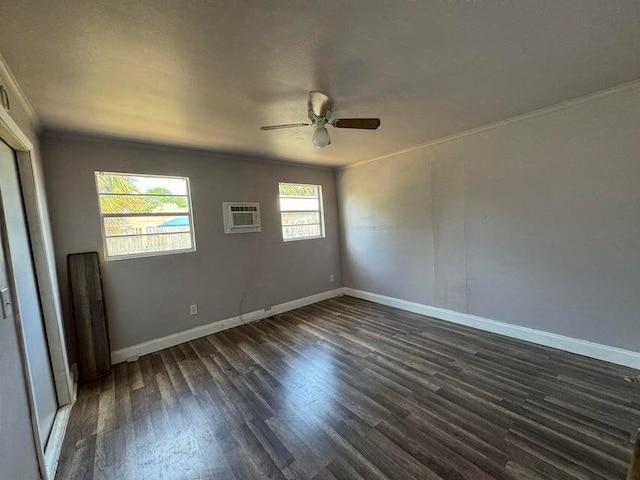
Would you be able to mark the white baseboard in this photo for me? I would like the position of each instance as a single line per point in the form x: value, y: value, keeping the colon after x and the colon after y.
x: 56, y: 438
x: 121, y: 355
x: 615, y: 355
x: 581, y: 347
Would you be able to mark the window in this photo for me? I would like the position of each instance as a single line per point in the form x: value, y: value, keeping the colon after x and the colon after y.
x: 301, y: 211
x: 144, y: 215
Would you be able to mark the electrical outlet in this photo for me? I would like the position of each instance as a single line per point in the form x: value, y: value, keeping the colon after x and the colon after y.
x: 331, y: 278
x: 193, y: 309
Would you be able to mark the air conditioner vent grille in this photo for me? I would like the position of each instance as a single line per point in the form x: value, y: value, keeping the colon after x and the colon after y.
x: 244, y: 209
x: 243, y: 219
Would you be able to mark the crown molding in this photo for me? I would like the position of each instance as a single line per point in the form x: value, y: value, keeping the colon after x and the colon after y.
x: 501, y: 123
x: 18, y: 95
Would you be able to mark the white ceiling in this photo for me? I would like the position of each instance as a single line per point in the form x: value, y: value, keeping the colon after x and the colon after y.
x: 209, y: 74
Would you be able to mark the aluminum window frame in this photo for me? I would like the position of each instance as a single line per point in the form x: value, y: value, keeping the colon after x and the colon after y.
x: 156, y: 253
x: 320, y: 211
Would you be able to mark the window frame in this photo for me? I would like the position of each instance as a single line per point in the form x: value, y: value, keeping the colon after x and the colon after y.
x: 320, y: 211
x: 157, y: 253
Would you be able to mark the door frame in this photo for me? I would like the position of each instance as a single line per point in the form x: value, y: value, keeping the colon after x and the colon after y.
x: 34, y: 200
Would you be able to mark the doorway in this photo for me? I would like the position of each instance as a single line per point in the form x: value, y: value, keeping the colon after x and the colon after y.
x: 19, y: 257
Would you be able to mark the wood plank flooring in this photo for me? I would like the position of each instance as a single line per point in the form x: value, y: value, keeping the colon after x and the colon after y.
x: 347, y: 389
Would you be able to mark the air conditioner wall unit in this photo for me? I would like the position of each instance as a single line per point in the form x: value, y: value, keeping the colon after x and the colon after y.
x: 241, y: 217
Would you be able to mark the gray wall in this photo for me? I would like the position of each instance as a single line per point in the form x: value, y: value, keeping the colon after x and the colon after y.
x: 18, y: 457
x: 149, y: 297
x: 534, y: 223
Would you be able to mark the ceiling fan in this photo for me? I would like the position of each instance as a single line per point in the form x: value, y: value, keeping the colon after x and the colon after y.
x: 319, y: 115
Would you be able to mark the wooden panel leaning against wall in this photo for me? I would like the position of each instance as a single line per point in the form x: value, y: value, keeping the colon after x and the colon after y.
x: 92, y: 332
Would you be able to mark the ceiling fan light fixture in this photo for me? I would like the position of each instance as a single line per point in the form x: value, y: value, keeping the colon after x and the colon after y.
x: 321, y: 137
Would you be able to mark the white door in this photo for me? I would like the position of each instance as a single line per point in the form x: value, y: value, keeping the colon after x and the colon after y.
x: 26, y: 294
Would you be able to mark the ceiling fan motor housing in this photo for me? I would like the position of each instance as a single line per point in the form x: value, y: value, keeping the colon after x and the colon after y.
x: 315, y: 118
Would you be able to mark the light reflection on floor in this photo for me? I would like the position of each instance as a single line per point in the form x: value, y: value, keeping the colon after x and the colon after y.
x: 311, y: 383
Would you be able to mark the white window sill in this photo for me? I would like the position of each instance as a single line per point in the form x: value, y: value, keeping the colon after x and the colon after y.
x: 302, y: 238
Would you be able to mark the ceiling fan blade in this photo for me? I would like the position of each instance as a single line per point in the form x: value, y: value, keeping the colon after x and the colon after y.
x: 286, y: 125
x: 318, y: 102
x: 361, y: 123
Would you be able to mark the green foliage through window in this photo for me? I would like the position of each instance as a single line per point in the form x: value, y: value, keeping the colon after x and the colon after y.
x: 122, y: 194
x: 298, y: 190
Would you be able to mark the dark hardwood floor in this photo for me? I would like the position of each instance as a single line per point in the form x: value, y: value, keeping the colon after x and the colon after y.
x: 347, y: 389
